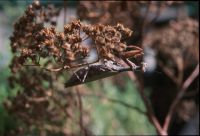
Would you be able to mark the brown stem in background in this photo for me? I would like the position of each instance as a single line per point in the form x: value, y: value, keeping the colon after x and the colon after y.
x: 80, y: 112
x: 180, y: 94
x: 65, y: 9
x: 168, y: 72
x: 150, y: 112
x: 63, y: 108
x: 157, y: 14
x: 144, y: 23
x: 102, y: 96
x: 151, y: 115
x: 180, y: 67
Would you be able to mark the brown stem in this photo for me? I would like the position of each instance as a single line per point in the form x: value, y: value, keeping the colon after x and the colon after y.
x: 80, y: 111
x: 65, y: 9
x: 144, y: 22
x: 168, y: 72
x: 102, y: 96
x: 62, y: 68
x: 180, y: 94
x: 157, y: 14
x: 150, y: 113
x: 114, y: 101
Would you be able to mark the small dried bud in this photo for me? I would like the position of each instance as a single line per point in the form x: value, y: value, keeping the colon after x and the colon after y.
x: 36, y: 4
x: 66, y: 46
x: 76, y: 24
x: 67, y: 29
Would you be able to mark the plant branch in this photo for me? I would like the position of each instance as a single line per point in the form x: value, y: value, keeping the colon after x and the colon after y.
x: 115, y: 101
x: 168, y: 72
x: 65, y: 9
x: 80, y: 111
x: 150, y: 112
x: 180, y: 94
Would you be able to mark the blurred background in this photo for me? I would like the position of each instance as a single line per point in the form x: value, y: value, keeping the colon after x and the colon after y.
x: 169, y: 34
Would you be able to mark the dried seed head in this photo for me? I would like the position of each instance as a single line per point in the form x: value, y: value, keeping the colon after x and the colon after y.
x: 76, y: 24
x: 69, y: 56
x: 36, y: 4
x: 67, y: 29
x: 121, y: 48
x: 66, y: 46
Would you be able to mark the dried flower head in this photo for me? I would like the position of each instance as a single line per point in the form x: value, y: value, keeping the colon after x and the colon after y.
x: 38, y: 103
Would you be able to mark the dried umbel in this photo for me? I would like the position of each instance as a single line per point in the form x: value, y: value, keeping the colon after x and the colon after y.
x: 133, y: 14
x: 110, y: 12
x: 39, y: 105
x: 66, y: 48
x: 33, y: 43
x: 179, y: 39
x: 23, y: 43
x: 43, y: 102
x: 177, y: 47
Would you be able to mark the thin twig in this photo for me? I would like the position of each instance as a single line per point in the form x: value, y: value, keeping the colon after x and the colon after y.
x: 144, y: 22
x: 115, y: 101
x: 168, y: 72
x: 151, y: 115
x: 80, y: 111
x: 85, y: 38
x: 180, y: 94
x: 65, y: 9
x: 102, y: 96
x: 150, y: 112
x: 157, y: 14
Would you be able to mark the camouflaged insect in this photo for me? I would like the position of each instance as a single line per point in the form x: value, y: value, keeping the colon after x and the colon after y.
x: 95, y: 72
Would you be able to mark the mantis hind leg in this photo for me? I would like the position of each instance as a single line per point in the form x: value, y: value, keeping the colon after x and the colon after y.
x: 85, y: 75
x: 132, y: 65
x: 134, y: 47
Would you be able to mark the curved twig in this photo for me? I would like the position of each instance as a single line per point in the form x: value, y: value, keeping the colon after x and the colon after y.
x: 180, y: 94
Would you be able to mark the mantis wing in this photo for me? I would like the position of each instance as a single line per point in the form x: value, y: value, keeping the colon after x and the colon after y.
x: 94, y: 72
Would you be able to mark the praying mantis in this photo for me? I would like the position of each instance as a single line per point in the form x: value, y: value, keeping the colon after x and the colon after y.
x: 97, y: 71
x: 94, y: 71
x: 107, y: 69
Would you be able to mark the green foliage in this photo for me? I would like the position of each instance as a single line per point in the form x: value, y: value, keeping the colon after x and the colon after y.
x: 111, y: 118
x: 4, y: 84
x: 6, y: 121
x: 9, y: 8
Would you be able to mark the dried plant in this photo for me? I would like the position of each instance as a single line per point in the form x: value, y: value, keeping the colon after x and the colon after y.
x: 176, y: 45
x: 110, y: 12
x: 134, y: 12
x: 67, y: 47
x: 42, y: 56
x: 42, y: 102
x: 22, y: 40
x: 177, y: 49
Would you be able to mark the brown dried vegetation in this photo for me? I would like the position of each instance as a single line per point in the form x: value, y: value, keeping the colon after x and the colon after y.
x: 42, y: 102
